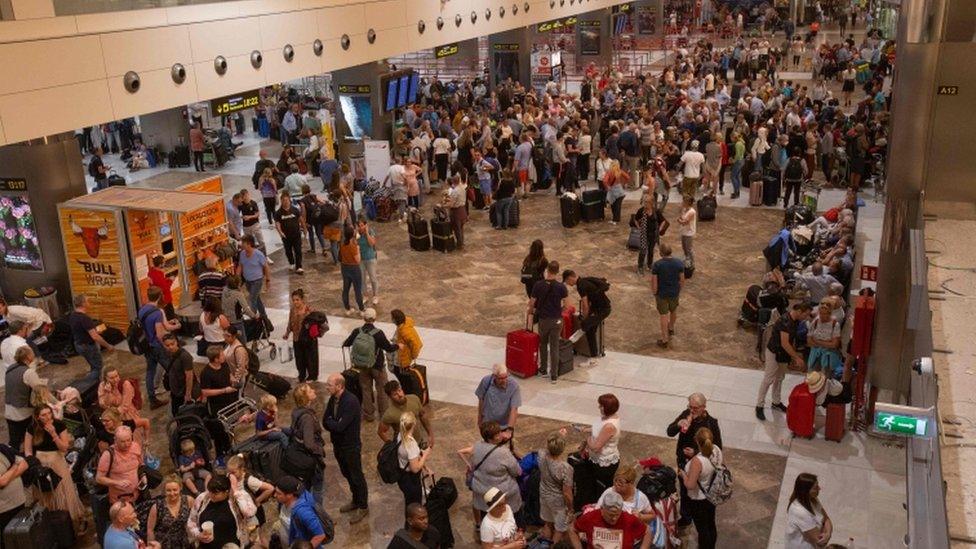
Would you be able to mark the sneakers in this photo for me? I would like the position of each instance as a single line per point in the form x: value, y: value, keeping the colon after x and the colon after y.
x: 300, y: 271
x: 376, y: 300
x: 760, y: 413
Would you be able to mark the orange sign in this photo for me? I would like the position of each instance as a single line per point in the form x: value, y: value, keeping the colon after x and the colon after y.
x: 91, y: 242
x: 143, y: 230
x: 202, y: 220
x: 210, y: 185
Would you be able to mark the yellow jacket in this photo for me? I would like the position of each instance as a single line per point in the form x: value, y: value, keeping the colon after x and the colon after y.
x: 408, y: 336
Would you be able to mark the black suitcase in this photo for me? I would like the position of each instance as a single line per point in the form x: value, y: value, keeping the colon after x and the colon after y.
x: 479, y: 199
x: 439, y: 501
x: 180, y: 157
x: 413, y: 380
x: 262, y: 457
x: 351, y: 377
x: 272, y: 384
x: 570, y: 211
x: 771, y: 188
x: 419, y: 231
x: 513, y: 214
x: 565, y: 356
x: 61, y: 528
x: 707, y: 206
x: 582, y: 346
x: 115, y: 180
x: 88, y: 389
x: 443, y: 236
x: 593, y: 205
x: 633, y: 241
x: 28, y: 530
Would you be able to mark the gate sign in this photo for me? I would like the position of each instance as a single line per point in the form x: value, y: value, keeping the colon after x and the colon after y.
x: 906, y: 421
x: 234, y: 103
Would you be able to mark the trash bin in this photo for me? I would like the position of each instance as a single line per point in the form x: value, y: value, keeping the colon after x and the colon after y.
x: 45, y: 299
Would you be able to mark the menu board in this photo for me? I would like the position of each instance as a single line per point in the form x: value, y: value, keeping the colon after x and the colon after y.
x: 94, y: 256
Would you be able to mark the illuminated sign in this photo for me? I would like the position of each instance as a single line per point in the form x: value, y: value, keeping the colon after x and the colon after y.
x: 234, y: 103
x: 8, y: 184
x: 446, y: 51
x: 19, y: 246
x: 505, y: 47
x: 354, y: 88
x: 948, y: 90
x: 556, y: 24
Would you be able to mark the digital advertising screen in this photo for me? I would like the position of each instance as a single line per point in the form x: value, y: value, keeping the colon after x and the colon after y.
x: 358, y: 115
x: 414, y: 87
x: 404, y: 90
x: 19, y: 246
x: 392, y: 95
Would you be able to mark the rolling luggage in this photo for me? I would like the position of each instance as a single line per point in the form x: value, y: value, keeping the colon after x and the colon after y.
x: 569, y: 313
x: 513, y: 215
x: 771, y: 188
x: 115, y: 180
x: 272, y: 384
x: 413, y: 380
x: 689, y: 268
x: 633, y: 241
x: 565, y: 357
x: 801, y: 411
x: 88, y: 389
x: 582, y: 346
x: 62, y: 530
x: 797, y: 214
x: 419, y: 231
x: 593, y: 205
x: 836, y: 420
x: 443, y: 236
x: 570, y: 211
x: 756, y: 190
x: 180, y: 157
x: 28, y: 530
x: 522, y: 352
x: 440, y: 498
x: 262, y: 457
x: 707, y: 205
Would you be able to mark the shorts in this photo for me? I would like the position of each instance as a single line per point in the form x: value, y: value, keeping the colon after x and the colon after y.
x: 688, y: 185
x: 666, y: 305
x: 523, y: 176
x: 485, y: 185
x: 554, y: 511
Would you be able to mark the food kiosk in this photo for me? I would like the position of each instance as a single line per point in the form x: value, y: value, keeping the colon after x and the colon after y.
x: 111, y: 236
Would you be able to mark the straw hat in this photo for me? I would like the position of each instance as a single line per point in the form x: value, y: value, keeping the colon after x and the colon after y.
x: 815, y: 381
x: 494, y: 497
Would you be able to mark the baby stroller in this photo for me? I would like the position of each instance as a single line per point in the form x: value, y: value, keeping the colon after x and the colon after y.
x: 749, y: 312
x: 190, y: 426
x: 258, y: 331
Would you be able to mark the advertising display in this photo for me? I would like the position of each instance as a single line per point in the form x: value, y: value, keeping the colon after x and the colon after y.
x: 356, y: 109
x: 94, y: 256
x: 505, y: 59
x: 589, y: 37
x: 19, y: 246
x: 647, y: 20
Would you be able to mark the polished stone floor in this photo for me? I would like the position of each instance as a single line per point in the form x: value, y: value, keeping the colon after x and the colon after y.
x: 744, y: 522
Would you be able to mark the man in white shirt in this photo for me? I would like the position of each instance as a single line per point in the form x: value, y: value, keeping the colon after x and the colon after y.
x: 691, y: 162
x: 20, y: 381
x: 16, y: 340
x: 688, y: 222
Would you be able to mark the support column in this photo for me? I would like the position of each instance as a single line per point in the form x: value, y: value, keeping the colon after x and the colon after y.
x: 509, y: 55
x: 165, y: 129
x: 36, y: 176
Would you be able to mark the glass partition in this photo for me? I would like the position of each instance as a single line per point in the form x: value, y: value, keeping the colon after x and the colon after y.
x: 82, y: 7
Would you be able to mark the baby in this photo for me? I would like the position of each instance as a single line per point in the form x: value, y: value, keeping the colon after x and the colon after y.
x: 264, y: 422
x: 190, y: 465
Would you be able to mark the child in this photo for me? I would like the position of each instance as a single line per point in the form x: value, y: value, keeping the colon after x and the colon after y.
x: 264, y: 423
x: 190, y: 466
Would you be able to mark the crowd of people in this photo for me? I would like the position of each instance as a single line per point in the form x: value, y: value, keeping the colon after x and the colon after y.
x: 713, y: 111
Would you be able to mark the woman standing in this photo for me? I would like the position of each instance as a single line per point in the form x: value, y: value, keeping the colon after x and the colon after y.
x: 491, y: 464
x: 534, y: 266
x: 367, y: 252
x: 268, y: 187
x: 503, y: 198
x: 307, y: 430
x: 442, y: 155
x: 48, y: 440
x: 698, y: 472
x: 352, y: 275
x: 615, y: 181
x: 168, y: 517
x: 603, y: 165
x: 849, y: 75
x: 649, y: 222
x: 114, y: 392
x: 412, y: 461
x: 226, y: 506
x: 212, y: 325
x: 807, y: 524
x: 306, y: 347
x: 600, y: 448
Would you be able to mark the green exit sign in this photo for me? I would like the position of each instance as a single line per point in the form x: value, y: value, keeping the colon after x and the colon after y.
x: 898, y: 424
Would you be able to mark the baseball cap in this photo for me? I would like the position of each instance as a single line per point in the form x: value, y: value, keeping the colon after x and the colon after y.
x: 369, y: 314
x: 650, y: 462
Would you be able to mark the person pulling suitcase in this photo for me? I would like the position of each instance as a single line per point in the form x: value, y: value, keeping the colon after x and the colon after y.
x: 547, y: 304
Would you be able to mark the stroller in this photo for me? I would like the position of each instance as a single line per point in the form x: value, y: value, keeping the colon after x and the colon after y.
x: 258, y: 331
x: 190, y: 426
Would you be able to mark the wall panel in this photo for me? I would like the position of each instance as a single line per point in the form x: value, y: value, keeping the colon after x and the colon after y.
x: 157, y: 48
x: 157, y: 92
x: 240, y: 76
x: 227, y: 38
x: 48, y: 63
x: 45, y: 112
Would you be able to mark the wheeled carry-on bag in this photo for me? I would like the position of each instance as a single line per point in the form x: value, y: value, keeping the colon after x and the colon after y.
x: 582, y: 345
x: 707, y: 206
x: 755, y: 190
x: 593, y: 205
x: 569, y: 209
x: 836, y: 420
x: 566, y: 354
x: 569, y: 314
x: 771, y: 188
x: 28, y: 530
x: 443, y: 236
x: 272, y: 384
x: 262, y: 457
x: 419, y: 231
x: 801, y: 411
x: 522, y: 352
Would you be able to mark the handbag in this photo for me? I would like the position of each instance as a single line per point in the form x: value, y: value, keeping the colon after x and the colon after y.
x: 153, y: 477
x: 469, y: 475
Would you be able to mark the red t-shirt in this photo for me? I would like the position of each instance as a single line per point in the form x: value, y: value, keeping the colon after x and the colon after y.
x: 158, y: 278
x: 622, y: 535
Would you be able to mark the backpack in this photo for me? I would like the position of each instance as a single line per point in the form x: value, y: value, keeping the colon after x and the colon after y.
x: 314, y: 325
x: 658, y: 483
x: 328, y: 213
x: 363, y: 352
x: 313, y: 210
x: 719, y: 489
x: 601, y: 283
x: 794, y: 170
x: 136, y: 336
x: 388, y: 461
x: 328, y: 525
x: 253, y: 361
x: 137, y: 397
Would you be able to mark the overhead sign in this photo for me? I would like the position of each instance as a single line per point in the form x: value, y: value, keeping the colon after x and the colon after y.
x: 234, y: 103
x: 622, y: 8
x: 556, y: 24
x: 446, y: 51
x: 948, y: 90
x: 907, y: 421
x: 354, y: 88
x: 13, y: 184
x: 505, y: 47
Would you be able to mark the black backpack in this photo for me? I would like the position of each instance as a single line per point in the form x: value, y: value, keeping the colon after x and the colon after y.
x: 658, y: 483
x: 388, y: 461
x: 136, y: 336
x: 328, y: 213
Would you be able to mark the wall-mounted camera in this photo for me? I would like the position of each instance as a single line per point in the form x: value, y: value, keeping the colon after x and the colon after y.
x: 288, y: 52
x: 318, y: 47
x: 178, y: 73
x: 488, y: 14
x: 474, y: 17
x: 371, y: 36
x: 457, y: 20
x: 421, y: 26
x: 131, y: 82
x: 345, y: 42
x: 220, y: 65
x: 256, y: 59
x: 440, y: 23
x: 501, y: 11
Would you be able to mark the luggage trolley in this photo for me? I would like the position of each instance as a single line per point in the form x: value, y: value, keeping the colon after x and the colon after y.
x: 231, y: 414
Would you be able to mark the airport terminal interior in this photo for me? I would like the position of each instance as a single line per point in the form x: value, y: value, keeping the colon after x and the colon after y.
x: 487, y: 273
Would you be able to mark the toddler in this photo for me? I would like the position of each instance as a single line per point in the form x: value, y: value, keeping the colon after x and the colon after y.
x: 190, y: 465
x: 264, y: 422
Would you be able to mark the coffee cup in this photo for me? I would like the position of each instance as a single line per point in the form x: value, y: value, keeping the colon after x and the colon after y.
x: 207, y: 527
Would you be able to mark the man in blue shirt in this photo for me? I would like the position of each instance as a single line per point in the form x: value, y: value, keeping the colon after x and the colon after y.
x: 120, y: 535
x: 523, y: 160
x: 155, y: 325
x: 253, y: 269
x: 667, y: 278
x: 305, y: 524
x: 499, y: 398
x: 235, y: 221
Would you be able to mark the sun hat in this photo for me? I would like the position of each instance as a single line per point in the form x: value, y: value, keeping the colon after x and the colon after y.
x: 815, y: 381
x: 493, y: 497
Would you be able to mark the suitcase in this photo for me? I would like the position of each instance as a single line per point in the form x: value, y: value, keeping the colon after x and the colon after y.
x: 419, y: 231
x: 756, y: 192
x: 689, y: 268
x: 88, y: 389
x: 440, y: 498
x: 582, y: 346
x: 707, y: 205
x: 180, y: 157
x: 633, y: 241
x: 413, y: 380
x: 836, y: 420
x: 771, y: 188
x: 566, y: 353
x: 272, y: 384
x: 569, y: 314
x: 27, y: 530
x: 593, y: 205
x: 113, y: 336
x: 797, y: 214
x: 513, y: 215
x: 262, y: 457
x: 522, y: 352
x: 801, y: 411
x: 443, y: 236
x: 115, y: 180
x: 570, y: 211
x: 61, y: 528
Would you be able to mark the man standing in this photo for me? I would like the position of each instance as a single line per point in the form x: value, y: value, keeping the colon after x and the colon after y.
x: 667, y: 279
x: 294, y: 183
x: 297, y: 503
x: 779, y: 351
x: 253, y: 269
x: 12, y: 493
x: 685, y: 426
x: 594, y: 309
x: 197, y: 144
x: 184, y: 387
x: 290, y: 225
x: 691, y: 162
x: 235, y: 222
x: 343, y: 419
x: 121, y: 534
x: 688, y: 228
x: 499, y: 398
x: 546, y: 304
x: 523, y: 160
x: 88, y: 342
x: 118, y: 467
x: 401, y: 402
x: 368, y: 344
x: 155, y: 325
x: 629, y: 144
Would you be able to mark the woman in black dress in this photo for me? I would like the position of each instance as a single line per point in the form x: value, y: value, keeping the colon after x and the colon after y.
x: 168, y: 517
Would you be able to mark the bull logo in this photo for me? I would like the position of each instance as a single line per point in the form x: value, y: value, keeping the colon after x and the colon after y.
x: 91, y: 236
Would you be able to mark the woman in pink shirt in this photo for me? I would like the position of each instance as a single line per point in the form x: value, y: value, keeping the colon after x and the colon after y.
x: 197, y: 144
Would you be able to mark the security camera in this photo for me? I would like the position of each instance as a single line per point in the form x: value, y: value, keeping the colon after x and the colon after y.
x: 923, y: 366
x: 457, y: 20
x: 256, y: 59
x: 220, y: 65
x: 345, y: 42
x: 440, y: 23
x: 318, y: 47
x: 178, y: 73
x: 131, y: 82
x: 288, y: 52
x: 421, y: 26
x: 371, y: 36
x: 474, y: 17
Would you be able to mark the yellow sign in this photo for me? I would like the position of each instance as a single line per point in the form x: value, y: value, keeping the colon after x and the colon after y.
x: 8, y: 184
x: 948, y: 90
x: 557, y: 24
x: 354, y: 89
x: 446, y: 51
x: 234, y: 103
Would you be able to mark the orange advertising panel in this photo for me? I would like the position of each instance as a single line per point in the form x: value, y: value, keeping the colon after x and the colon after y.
x: 143, y: 230
x: 210, y: 185
x: 202, y: 220
x: 91, y: 242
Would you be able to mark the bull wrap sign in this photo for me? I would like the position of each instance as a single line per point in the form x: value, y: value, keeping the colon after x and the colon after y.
x: 94, y: 257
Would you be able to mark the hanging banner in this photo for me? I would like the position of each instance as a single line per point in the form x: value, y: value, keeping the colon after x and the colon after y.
x: 647, y: 20
x: 376, y: 155
x: 93, y: 253
x: 505, y: 47
x: 557, y: 25
x: 589, y: 37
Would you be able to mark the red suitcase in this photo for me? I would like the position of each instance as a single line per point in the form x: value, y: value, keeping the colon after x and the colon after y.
x: 801, y: 411
x: 568, y: 314
x: 522, y: 353
x: 836, y: 420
